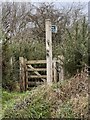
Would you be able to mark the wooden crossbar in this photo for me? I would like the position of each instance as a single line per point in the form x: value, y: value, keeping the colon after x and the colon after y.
x: 37, y: 69
x: 35, y: 76
x: 36, y: 62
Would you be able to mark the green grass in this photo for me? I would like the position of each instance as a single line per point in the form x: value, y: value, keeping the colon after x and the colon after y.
x: 9, y: 99
x: 36, y: 108
x: 65, y: 111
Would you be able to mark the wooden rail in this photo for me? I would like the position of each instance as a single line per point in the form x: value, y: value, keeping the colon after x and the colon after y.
x: 36, y: 62
x: 37, y: 69
x: 36, y: 76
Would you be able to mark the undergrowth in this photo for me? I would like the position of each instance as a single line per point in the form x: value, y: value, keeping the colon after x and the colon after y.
x: 68, y: 99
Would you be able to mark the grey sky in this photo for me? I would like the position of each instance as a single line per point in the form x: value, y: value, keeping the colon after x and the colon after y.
x: 44, y: 0
x: 63, y: 2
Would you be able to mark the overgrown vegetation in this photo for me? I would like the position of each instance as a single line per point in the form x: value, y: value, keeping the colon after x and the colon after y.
x: 50, y: 101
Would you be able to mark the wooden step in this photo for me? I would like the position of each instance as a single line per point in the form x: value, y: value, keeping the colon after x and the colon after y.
x: 37, y: 69
x: 35, y: 76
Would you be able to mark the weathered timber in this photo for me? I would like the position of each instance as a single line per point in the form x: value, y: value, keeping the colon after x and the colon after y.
x: 48, y: 50
x: 36, y: 62
x: 22, y: 73
x: 35, y: 76
x: 26, y: 76
x: 37, y: 69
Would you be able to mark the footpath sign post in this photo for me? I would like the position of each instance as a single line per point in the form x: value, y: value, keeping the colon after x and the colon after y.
x: 49, y: 50
x: 49, y: 30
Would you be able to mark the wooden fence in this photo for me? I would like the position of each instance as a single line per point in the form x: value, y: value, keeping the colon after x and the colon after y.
x: 32, y: 72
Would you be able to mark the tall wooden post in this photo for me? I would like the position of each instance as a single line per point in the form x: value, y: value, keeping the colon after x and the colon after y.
x: 26, y: 76
x: 22, y: 74
x: 49, y: 50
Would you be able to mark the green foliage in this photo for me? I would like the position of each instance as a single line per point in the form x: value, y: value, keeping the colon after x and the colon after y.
x: 38, y: 108
x: 6, y: 96
x: 6, y: 68
x: 29, y: 51
x: 74, y: 47
x: 65, y: 111
x: 8, y: 99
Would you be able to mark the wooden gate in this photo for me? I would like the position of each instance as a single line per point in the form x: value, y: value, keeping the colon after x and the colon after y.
x: 33, y: 72
x: 36, y: 70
